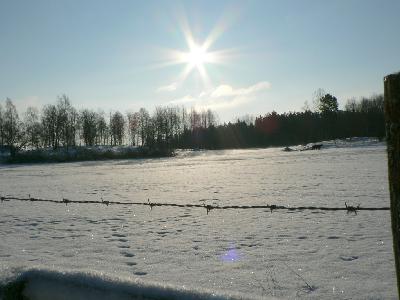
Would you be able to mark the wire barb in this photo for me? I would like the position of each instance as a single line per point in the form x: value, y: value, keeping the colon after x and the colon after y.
x: 208, y: 208
x: 151, y: 204
x: 352, y: 208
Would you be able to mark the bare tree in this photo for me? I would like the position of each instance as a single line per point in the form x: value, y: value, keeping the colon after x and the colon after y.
x: 144, y: 122
x: 306, y: 107
x: 1, y: 126
x: 117, y: 128
x: 160, y: 124
x: 317, y: 96
x: 66, y: 122
x: 71, y: 128
x: 195, y: 119
x: 213, y: 118
x: 49, y: 120
x: 185, y: 119
x: 102, y: 128
x: 88, y: 120
x: 351, y: 105
x: 32, y: 127
x: 133, y: 127
x: 12, y: 127
x: 174, y: 122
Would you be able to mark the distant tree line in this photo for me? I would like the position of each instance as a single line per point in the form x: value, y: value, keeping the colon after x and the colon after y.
x: 60, y: 125
x: 364, y: 117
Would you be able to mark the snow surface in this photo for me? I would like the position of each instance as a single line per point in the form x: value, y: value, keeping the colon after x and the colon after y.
x: 254, y: 253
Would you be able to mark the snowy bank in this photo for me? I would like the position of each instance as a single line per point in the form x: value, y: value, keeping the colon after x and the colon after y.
x: 53, y: 285
x: 83, y: 153
x: 352, y: 142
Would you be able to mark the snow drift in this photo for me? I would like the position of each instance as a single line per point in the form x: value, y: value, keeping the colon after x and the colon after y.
x: 41, y: 284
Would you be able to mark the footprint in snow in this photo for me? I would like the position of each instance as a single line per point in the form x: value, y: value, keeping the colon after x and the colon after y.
x: 348, y: 258
x: 127, y: 254
x: 140, y: 273
x: 119, y: 235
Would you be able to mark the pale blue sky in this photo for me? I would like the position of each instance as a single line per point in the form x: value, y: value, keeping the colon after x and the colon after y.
x: 108, y: 54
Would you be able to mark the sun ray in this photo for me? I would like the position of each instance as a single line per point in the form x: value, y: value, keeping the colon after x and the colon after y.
x: 204, y: 76
x: 198, y: 55
x: 225, y: 21
x: 187, y: 32
x: 185, y: 73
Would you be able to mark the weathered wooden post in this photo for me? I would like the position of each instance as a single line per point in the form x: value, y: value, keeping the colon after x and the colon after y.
x: 392, y: 117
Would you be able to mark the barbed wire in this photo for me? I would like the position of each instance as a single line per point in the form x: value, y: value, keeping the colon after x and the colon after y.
x: 208, y: 207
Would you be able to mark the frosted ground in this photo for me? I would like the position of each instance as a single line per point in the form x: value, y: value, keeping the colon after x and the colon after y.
x: 253, y: 253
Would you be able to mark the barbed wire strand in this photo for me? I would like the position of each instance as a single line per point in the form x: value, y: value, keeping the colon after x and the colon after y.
x: 208, y: 207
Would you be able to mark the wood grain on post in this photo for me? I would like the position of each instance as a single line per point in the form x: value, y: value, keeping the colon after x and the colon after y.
x: 392, y: 117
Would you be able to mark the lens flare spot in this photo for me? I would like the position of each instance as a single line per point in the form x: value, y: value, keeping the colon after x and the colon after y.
x: 231, y: 255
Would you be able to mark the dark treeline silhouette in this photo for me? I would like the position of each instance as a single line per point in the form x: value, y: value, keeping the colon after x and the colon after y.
x: 360, y: 118
x: 61, y: 126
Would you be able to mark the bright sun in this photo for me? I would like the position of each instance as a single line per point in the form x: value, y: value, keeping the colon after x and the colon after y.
x: 197, y: 56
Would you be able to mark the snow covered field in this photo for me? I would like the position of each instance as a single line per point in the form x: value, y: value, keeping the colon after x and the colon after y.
x: 254, y: 253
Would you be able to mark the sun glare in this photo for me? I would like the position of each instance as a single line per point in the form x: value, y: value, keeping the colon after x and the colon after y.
x: 197, y: 56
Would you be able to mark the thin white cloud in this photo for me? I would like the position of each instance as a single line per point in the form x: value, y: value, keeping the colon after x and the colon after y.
x: 226, y: 90
x: 222, y: 91
x: 168, y: 88
x: 224, y: 96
